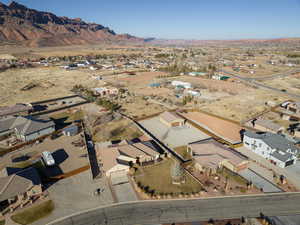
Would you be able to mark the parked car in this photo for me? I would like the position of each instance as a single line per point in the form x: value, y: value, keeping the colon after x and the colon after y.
x: 48, y: 158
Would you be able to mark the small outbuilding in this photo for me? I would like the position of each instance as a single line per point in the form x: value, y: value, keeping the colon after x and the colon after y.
x: 171, y: 119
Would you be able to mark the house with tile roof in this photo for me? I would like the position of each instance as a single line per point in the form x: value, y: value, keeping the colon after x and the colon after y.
x: 26, y: 128
x: 274, y: 147
x: 18, y: 188
x: 117, y: 158
x: 171, y: 119
x: 210, y: 155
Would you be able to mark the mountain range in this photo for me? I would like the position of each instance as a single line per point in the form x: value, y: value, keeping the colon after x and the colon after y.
x: 28, y: 27
x: 21, y: 25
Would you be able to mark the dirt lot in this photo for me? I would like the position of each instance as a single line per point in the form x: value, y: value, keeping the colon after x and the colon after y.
x: 66, y: 50
x: 138, y: 107
x: 122, y: 129
x: 215, y: 85
x: 242, y: 106
x: 290, y: 84
x: 48, y: 82
x: 262, y: 69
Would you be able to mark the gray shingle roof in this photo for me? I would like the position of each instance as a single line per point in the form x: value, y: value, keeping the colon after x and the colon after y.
x: 25, y: 124
x: 10, y: 110
x: 275, y: 141
x: 282, y: 157
x: 18, y: 183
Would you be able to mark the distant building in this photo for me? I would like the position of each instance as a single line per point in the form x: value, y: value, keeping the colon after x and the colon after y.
x: 220, y: 77
x: 209, y: 154
x: 273, y: 147
x: 294, y: 107
x: 105, y: 91
x: 192, y: 93
x: 196, y: 74
x: 26, y: 128
x: 171, y: 119
x: 182, y: 84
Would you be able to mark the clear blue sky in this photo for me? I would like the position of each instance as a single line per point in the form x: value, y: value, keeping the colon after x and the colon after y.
x: 184, y: 19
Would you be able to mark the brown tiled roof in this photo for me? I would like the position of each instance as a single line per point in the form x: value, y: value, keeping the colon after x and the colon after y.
x: 211, y: 153
x: 108, y: 157
x: 169, y: 117
x: 18, y: 183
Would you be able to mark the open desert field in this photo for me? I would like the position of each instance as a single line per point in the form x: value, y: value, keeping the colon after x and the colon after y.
x: 27, y: 52
x: 48, y: 82
x: 290, y: 83
x: 262, y: 69
x: 242, y: 106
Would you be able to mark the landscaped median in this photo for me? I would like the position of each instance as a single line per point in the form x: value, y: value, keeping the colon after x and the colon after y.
x: 34, y: 213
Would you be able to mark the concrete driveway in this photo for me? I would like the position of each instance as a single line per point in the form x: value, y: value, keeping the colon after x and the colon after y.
x: 122, y: 188
x: 259, y: 181
x: 75, y: 194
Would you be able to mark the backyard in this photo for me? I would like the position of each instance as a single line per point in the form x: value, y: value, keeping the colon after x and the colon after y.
x: 116, y: 130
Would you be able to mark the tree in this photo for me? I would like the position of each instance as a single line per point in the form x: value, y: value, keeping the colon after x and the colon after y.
x: 138, y: 161
x: 130, y: 164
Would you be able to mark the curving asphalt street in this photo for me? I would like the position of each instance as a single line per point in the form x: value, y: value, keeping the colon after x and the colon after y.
x: 253, y: 82
x: 188, y: 210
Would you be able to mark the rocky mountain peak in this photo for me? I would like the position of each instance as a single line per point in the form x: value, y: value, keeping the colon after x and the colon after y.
x: 16, y: 5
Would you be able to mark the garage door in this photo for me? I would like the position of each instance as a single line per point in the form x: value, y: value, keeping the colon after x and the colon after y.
x: 289, y: 163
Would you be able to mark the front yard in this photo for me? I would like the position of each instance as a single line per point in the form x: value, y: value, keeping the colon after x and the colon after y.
x: 34, y: 213
x: 182, y: 150
x: 157, y: 178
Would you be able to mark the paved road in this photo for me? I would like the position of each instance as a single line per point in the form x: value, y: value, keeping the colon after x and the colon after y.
x: 270, y: 77
x: 253, y: 82
x: 189, y: 210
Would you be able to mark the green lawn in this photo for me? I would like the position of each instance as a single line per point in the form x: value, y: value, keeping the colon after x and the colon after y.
x: 182, y: 150
x: 2, y: 222
x: 34, y: 213
x: 158, y: 178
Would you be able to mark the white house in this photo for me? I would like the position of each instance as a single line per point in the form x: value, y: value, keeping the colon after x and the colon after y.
x: 185, y: 85
x: 105, y: 91
x: 273, y: 147
x: 192, y: 93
